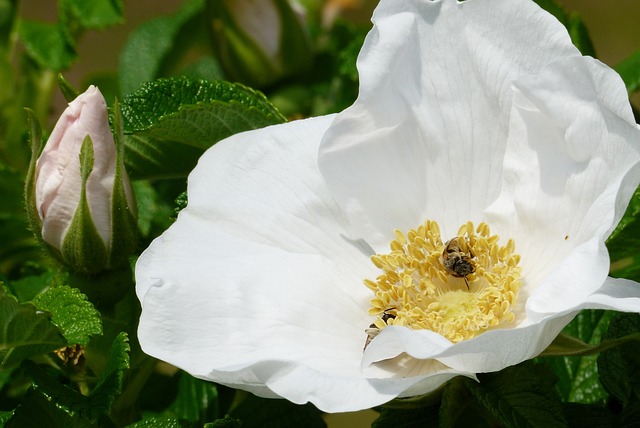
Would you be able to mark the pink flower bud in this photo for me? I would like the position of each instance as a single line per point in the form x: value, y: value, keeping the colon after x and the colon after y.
x: 58, y: 175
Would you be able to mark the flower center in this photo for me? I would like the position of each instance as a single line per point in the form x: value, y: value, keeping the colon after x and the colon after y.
x: 459, y: 288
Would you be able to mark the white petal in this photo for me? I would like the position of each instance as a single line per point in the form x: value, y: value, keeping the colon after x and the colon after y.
x: 426, y: 137
x: 571, y: 166
x: 616, y: 294
x: 256, y: 285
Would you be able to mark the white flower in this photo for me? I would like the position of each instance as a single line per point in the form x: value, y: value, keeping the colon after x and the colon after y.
x: 481, y: 112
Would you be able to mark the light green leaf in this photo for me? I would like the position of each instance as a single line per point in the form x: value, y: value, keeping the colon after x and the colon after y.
x: 520, y: 396
x: 96, y: 14
x: 24, y: 332
x: 47, y: 44
x: 144, y: 53
x: 255, y: 412
x: 171, y: 122
x: 71, y: 312
x: 629, y: 70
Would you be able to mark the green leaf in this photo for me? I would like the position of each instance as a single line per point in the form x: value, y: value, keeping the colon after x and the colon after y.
x: 162, y: 421
x: 620, y: 367
x: 18, y: 244
x: 99, y: 401
x: 584, y: 415
x: 96, y: 14
x: 110, y: 382
x: 47, y: 44
x: 143, y: 55
x: 38, y: 411
x: 227, y: 422
x: 629, y: 70
x: 255, y: 412
x: 172, y: 121
x: 71, y: 312
x: 520, y: 396
x: 624, y: 242
x: 407, y: 418
x: 574, y: 24
x: 197, y: 400
x: 24, y: 332
x: 578, y: 375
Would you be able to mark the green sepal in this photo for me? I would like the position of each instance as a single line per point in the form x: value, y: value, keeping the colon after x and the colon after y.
x: 68, y: 91
x: 35, y: 140
x: 570, y: 346
x: 124, y: 227
x: 82, y: 248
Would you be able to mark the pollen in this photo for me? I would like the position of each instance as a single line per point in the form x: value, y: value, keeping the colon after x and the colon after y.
x: 459, y: 288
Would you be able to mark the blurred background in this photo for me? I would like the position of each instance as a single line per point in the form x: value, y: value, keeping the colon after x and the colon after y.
x: 612, y: 25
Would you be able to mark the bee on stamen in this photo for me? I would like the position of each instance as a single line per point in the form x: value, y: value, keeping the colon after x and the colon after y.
x: 457, y: 262
x: 373, y: 330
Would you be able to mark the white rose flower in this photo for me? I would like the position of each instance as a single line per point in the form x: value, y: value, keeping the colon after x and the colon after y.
x: 483, y: 149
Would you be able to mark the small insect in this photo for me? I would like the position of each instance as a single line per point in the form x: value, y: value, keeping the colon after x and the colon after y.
x: 457, y: 262
x: 373, y: 331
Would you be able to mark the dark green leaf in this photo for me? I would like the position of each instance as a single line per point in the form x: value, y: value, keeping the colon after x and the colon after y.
x: 578, y: 375
x: 38, y: 411
x: 18, y: 245
x: 407, y: 418
x: 227, y: 422
x: 148, y: 46
x: 520, y: 396
x: 592, y: 416
x: 257, y: 412
x: 172, y: 121
x: 71, y: 312
x: 110, y: 382
x: 197, y: 400
x: 47, y: 44
x: 24, y: 332
x: 99, y: 401
x: 629, y: 70
x: 620, y: 367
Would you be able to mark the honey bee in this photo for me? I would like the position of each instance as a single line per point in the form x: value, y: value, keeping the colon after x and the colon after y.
x: 457, y: 262
x: 373, y: 331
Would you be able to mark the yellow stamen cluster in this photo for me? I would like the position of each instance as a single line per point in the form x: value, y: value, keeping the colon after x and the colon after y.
x: 417, y: 290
